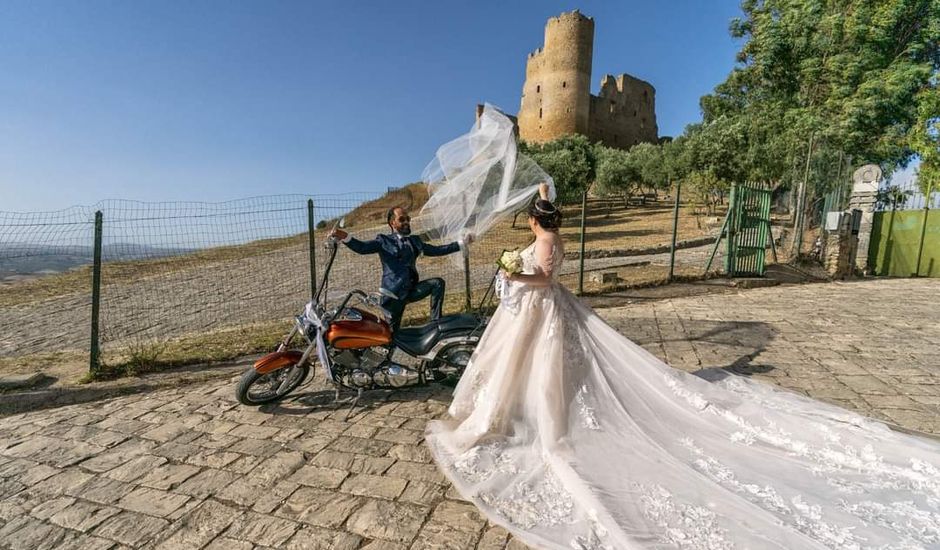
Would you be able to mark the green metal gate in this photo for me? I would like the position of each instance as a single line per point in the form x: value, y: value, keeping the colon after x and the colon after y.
x: 748, y: 226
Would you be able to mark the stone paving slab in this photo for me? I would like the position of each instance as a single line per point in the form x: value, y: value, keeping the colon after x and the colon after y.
x: 188, y: 468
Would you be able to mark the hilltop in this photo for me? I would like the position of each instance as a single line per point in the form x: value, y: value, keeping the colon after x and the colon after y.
x: 411, y: 196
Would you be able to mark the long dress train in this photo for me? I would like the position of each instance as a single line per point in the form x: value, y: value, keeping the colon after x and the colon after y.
x: 571, y: 436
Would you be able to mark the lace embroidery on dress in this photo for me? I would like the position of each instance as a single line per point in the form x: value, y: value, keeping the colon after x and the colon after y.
x: 587, y: 413
x: 684, y: 526
x: 829, y: 460
x: 913, y: 524
x: 545, y: 502
x: 807, y: 518
x: 479, y: 389
x: 481, y: 462
x: 593, y: 539
x: 512, y: 294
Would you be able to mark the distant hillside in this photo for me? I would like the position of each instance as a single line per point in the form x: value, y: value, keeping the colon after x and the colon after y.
x: 27, y: 258
x: 412, y: 196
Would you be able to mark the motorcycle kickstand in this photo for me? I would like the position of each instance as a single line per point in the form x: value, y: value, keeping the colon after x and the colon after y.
x: 353, y: 406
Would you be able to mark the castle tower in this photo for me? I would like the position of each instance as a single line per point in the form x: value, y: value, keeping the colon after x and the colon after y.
x: 557, y: 100
x: 556, y: 96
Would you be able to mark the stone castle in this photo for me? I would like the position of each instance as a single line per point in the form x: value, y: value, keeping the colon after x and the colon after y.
x: 557, y: 100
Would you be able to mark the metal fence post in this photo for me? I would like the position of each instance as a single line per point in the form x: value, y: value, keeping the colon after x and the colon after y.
x: 95, y: 350
x: 466, y: 256
x: 731, y: 243
x: 581, y: 264
x: 675, y: 229
x: 923, y: 232
x: 313, y: 249
x: 466, y: 276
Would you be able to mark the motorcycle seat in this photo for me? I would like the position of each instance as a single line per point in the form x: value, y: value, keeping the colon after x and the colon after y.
x: 420, y: 340
x: 417, y: 340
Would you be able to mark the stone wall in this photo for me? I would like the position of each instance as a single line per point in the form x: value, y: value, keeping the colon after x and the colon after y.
x: 623, y: 114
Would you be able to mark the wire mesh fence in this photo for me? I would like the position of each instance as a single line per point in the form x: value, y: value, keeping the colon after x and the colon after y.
x: 193, y: 282
x: 905, y: 196
x: 172, y: 270
x: 45, y: 295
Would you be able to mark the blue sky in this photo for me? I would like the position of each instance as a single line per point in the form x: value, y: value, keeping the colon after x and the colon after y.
x: 211, y: 101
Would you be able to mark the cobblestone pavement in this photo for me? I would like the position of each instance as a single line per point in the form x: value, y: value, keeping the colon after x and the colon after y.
x: 189, y: 468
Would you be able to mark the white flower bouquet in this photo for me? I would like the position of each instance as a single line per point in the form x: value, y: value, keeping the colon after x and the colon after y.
x: 510, y: 261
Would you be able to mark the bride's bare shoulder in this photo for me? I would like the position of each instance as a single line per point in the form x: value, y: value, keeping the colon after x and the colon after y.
x: 549, y: 240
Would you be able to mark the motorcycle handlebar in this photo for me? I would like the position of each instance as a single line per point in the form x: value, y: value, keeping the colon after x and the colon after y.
x: 349, y: 295
x: 367, y: 298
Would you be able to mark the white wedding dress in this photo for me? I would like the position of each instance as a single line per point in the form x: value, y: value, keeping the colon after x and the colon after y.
x: 571, y: 436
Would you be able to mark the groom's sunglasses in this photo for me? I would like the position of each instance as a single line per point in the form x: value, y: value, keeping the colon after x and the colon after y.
x: 403, y: 219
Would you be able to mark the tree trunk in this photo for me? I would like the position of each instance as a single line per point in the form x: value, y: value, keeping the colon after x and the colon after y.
x: 797, y: 242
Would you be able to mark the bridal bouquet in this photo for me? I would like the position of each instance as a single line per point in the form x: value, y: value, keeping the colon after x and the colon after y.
x: 510, y: 261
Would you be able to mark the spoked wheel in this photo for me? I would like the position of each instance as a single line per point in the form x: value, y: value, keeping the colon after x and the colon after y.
x: 452, y: 361
x: 256, y: 388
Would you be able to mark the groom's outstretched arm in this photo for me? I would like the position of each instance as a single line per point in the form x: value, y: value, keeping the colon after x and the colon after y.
x: 362, y: 247
x: 443, y: 250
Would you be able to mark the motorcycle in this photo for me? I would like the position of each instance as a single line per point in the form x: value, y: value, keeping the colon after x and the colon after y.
x: 357, y: 350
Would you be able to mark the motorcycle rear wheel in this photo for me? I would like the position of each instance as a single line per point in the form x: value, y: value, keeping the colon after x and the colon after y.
x: 455, y: 355
x: 256, y: 388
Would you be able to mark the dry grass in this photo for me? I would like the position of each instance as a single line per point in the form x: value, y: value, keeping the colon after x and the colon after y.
x: 66, y: 366
x: 373, y: 213
x: 76, y: 281
x: 636, y: 276
x: 71, y: 367
x: 205, y: 348
x: 116, y: 273
x: 634, y: 227
x: 140, y: 357
x: 615, y: 228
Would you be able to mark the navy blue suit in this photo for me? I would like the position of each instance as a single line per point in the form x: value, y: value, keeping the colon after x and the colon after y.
x: 398, y: 254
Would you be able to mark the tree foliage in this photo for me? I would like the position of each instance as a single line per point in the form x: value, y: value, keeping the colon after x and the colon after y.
x: 569, y: 160
x: 925, y: 140
x: 835, y: 79
x: 819, y: 87
x: 616, y: 174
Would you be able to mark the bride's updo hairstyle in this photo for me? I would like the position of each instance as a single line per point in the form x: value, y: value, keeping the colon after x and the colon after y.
x: 546, y: 215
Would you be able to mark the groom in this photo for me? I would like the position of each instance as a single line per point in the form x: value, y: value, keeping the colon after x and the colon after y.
x: 398, y: 252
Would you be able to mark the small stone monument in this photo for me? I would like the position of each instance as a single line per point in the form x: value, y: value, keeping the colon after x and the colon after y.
x: 864, y: 194
x: 604, y: 277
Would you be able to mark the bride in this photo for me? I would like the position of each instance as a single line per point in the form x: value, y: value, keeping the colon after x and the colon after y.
x: 571, y: 436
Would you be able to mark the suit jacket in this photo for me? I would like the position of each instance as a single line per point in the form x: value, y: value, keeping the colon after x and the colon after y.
x: 398, y: 256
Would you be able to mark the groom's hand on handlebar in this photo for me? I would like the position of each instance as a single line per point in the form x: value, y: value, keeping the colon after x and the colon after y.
x: 338, y: 234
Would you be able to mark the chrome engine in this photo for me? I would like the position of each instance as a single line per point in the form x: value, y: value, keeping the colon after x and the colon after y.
x: 371, y: 367
x: 396, y: 376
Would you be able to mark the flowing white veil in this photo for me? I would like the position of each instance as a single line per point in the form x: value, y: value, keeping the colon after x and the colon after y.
x: 478, y: 178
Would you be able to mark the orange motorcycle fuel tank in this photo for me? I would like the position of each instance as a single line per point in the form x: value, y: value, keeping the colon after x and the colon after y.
x: 364, y: 330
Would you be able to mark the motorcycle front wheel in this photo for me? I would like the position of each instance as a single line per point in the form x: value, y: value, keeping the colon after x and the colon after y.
x: 256, y: 388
